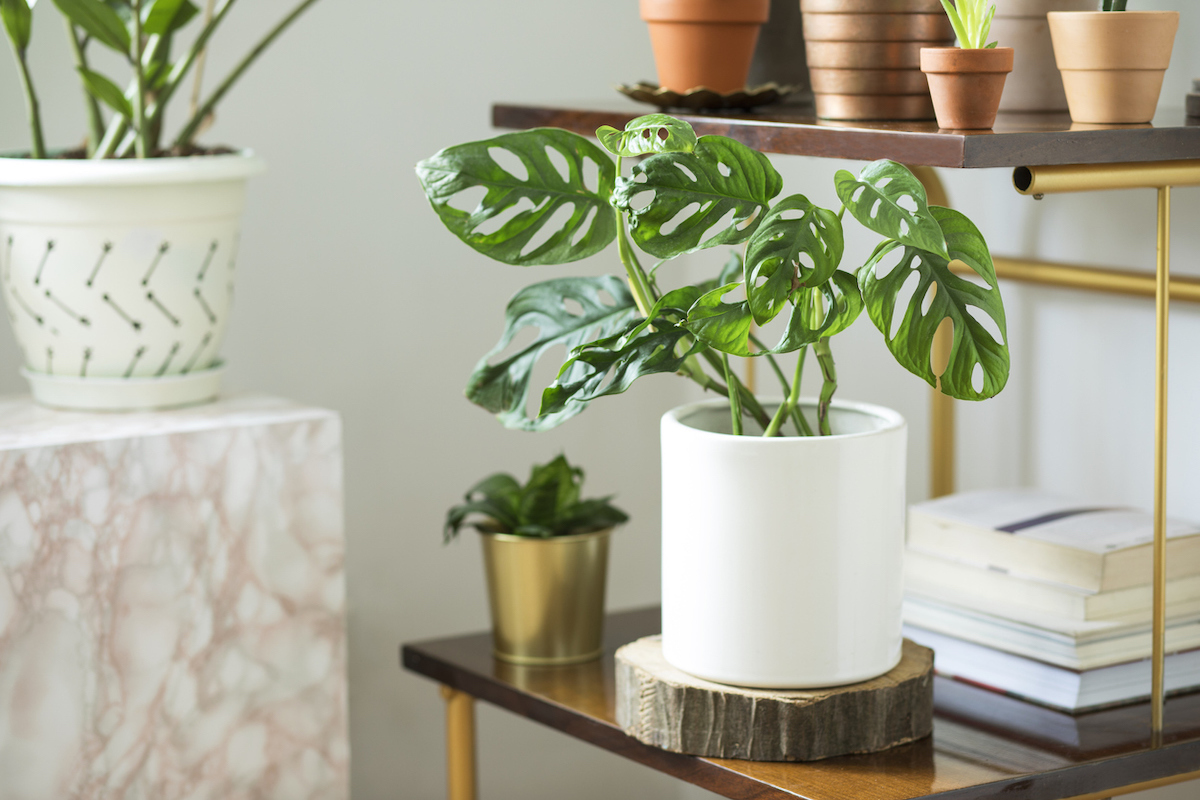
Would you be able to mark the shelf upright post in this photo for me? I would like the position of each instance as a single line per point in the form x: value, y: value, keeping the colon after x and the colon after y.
x: 1162, y: 299
x: 460, y: 745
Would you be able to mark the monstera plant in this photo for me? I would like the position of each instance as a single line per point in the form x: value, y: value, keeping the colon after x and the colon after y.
x: 562, y: 198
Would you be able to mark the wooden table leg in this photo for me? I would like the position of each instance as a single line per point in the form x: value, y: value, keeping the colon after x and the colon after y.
x: 460, y: 745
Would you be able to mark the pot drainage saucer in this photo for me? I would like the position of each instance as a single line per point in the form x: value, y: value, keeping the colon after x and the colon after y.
x: 125, y: 394
x: 702, y: 98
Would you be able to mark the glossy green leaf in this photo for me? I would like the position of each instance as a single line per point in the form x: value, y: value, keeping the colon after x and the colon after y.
x: 592, y: 224
x: 167, y: 16
x: 888, y: 199
x: 106, y: 92
x: 691, y: 194
x: 720, y: 325
x: 503, y: 387
x: 550, y: 487
x: 653, y: 133
x: 793, y: 228
x: 913, y: 342
x: 18, y: 22
x: 99, y: 22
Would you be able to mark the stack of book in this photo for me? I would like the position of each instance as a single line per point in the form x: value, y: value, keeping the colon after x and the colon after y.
x: 1049, y: 600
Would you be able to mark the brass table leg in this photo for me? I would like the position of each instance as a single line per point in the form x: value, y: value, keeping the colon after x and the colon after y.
x: 460, y: 745
x: 1162, y: 299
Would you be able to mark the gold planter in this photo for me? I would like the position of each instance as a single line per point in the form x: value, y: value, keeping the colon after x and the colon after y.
x: 547, y: 596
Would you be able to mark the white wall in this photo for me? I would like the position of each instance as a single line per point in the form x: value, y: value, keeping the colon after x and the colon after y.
x: 353, y: 297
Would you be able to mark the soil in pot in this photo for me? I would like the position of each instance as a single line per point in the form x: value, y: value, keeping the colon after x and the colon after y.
x: 966, y: 84
x: 707, y: 43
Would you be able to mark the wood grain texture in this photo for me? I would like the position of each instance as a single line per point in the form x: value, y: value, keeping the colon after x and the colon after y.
x: 1016, y: 140
x: 663, y: 706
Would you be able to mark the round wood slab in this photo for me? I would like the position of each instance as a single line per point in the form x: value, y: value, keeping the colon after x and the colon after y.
x: 659, y: 705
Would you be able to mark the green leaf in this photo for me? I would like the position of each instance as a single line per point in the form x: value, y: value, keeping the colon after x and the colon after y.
x: 503, y: 387
x: 720, y: 177
x: 167, y: 16
x: 495, y: 497
x: 875, y: 199
x: 550, y: 487
x: 913, y: 341
x: 592, y: 515
x: 845, y: 303
x: 774, y: 269
x: 462, y: 167
x: 107, y: 92
x: 18, y: 22
x: 653, y: 133
x: 720, y: 325
x: 99, y: 21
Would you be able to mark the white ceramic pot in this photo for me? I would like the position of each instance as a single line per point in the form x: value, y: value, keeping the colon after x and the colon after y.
x: 783, y: 557
x: 118, y: 275
x: 1034, y: 84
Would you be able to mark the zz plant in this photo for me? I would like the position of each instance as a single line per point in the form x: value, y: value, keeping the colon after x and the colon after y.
x: 1112, y: 5
x: 683, y: 194
x: 143, y: 34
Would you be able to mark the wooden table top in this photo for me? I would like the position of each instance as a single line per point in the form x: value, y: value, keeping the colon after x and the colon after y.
x: 983, y: 745
x: 1017, y: 140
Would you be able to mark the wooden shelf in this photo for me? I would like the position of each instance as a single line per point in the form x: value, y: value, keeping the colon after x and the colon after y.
x: 1017, y: 140
x: 984, y: 745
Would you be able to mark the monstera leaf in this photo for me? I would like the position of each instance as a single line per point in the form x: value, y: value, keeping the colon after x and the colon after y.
x: 653, y: 133
x: 913, y: 341
x: 792, y: 228
x: 718, y: 177
x: 462, y: 167
x: 880, y: 198
x: 503, y: 387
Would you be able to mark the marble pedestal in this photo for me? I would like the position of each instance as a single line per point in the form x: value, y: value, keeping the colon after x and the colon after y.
x: 172, y: 603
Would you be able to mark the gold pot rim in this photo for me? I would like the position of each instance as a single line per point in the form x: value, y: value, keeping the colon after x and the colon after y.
x: 573, y: 537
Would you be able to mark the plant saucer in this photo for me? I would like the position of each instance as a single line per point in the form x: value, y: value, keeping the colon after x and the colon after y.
x: 704, y: 98
x: 125, y: 394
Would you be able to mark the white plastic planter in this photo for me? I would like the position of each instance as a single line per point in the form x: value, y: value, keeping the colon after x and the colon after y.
x: 118, y: 275
x: 783, y: 557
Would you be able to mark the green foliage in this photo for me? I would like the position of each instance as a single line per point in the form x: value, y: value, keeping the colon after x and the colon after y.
x: 1112, y: 5
x: 142, y: 33
x: 972, y: 21
x: 687, y: 194
x: 549, y: 504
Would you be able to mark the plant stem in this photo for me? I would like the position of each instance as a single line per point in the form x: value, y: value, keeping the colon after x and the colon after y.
x: 189, y: 129
x: 829, y: 373
x: 139, y: 99
x: 788, y: 406
x: 735, y: 402
x: 201, y: 58
x: 91, y: 104
x: 37, y: 147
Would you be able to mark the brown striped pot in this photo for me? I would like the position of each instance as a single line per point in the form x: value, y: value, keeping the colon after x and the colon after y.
x: 864, y: 56
x: 704, y: 43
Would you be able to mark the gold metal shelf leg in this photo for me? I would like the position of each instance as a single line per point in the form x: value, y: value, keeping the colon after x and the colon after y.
x: 1161, y: 310
x: 460, y: 745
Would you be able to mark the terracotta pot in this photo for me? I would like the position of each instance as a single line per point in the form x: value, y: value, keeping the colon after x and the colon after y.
x: 1035, y: 84
x: 707, y: 43
x: 966, y: 84
x: 1112, y: 62
x: 864, y: 56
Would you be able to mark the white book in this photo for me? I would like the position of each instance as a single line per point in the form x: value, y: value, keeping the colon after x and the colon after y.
x: 990, y: 589
x: 1052, y: 685
x: 1043, y: 536
x: 1068, y: 643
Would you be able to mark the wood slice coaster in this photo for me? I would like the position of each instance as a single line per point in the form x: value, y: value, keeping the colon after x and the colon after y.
x: 662, y: 706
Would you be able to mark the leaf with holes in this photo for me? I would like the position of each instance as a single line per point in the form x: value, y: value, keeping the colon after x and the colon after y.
x: 874, y: 199
x: 610, y: 366
x: 720, y: 177
x: 774, y: 270
x: 913, y: 342
x: 653, y: 133
x: 503, y: 387
x: 592, y: 224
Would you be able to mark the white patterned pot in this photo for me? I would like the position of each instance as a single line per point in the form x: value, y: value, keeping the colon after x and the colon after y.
x: 783, y: 557
x: 118, y: 275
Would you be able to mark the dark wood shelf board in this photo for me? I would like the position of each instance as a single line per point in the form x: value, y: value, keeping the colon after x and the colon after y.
x: 1017, y: 139
x: 1056, y: 756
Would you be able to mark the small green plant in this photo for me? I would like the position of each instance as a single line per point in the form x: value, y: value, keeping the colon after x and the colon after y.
x: 547, y: 505
x: 1112, y: 5
x: 687, y: 193
x: 143, y: 33
x: 972, y: 21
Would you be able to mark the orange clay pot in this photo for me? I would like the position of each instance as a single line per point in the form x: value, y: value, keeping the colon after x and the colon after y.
x: 1112, y: 62
x: 966, y: 84
x: 706, y: 43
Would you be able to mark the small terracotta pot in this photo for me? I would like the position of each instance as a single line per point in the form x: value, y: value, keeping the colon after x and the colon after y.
x: 966, y: 84
x: 1112, y: 62
x: 1034, y: 84
x: 707, y: 43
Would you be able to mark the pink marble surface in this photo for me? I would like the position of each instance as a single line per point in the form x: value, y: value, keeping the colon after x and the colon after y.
x: 172, y: 604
